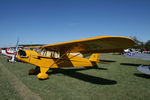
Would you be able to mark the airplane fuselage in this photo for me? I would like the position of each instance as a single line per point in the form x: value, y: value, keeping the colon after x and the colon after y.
x: 9, y: 53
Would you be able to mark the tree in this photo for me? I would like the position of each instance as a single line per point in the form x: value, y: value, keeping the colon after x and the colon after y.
x: 138, y: 44
x: 147, y: 45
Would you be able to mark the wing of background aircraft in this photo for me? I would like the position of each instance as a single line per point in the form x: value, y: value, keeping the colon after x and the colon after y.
x: 102, y: 44
x: 32, y: 47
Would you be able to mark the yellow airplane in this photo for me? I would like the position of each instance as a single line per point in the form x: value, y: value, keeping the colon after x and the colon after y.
x: 66, y: 54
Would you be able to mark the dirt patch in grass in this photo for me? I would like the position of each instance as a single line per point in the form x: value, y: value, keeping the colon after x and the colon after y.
x: 22, y: 90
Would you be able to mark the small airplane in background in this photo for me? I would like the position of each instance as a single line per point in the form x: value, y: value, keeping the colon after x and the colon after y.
x: 60, y: 55
x: 10, y: 52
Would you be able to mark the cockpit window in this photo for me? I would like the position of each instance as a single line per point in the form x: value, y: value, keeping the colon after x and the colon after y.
x: 52, y: 54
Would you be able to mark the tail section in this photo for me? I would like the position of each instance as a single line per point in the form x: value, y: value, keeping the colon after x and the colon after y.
x: 95, y: 57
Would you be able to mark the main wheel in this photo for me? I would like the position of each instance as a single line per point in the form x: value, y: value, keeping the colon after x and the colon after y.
x: 42, y: 76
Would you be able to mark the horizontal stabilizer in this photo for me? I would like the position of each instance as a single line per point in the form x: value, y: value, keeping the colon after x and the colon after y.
x: 94, y: 57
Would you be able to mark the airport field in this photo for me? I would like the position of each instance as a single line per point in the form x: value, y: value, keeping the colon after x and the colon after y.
x: 115, y: 79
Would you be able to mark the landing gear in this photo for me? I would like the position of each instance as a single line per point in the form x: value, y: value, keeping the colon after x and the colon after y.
x: 11, y: 59
x: 34, y: 71
x: 42, y: 76
x: 40, y: 72
x: 8, y: 60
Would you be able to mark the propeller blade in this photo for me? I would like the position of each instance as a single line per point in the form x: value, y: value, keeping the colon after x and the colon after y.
x: 17, y: 45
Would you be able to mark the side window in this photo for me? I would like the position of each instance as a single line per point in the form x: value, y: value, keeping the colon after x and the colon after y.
x: 54, y: 54
x: 40, y: 51
x: 51, y: 54
x: 43, y: 52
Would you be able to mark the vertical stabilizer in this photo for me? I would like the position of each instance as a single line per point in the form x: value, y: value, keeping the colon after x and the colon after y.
x: 95, y: 57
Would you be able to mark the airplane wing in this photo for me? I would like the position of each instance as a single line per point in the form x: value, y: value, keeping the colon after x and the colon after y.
x: 32, y: 47
x: 102, y: 44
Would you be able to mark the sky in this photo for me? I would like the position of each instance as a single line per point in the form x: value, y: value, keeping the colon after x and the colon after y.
x: 55, y: 21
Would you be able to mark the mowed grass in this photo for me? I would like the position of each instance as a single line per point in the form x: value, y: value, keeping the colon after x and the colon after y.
x: 116, y: 79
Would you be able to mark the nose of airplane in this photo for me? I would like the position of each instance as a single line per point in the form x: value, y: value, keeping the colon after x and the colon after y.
x: 23, y: 55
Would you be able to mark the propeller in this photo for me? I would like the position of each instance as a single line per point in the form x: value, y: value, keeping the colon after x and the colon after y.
x: 17, y: 45
x: 15, y: 52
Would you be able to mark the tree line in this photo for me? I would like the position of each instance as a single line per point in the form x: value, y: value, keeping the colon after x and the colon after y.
x: 140, y: 44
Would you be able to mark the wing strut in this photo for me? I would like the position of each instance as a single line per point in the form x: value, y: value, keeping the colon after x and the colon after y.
x: 61, y: 57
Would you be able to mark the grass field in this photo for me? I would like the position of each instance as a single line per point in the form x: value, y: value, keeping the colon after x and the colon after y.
x: 115, y: 79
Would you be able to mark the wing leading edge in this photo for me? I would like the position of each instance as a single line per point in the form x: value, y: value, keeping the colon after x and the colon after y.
x: 102, y: 44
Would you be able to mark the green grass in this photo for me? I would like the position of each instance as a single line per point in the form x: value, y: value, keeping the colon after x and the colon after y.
x: 6, y: 90
x: 116, y: 80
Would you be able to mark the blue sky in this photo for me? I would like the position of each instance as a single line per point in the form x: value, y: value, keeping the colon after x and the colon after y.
x: 53, y: 21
